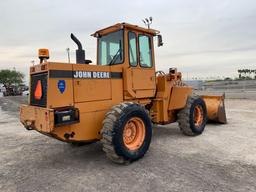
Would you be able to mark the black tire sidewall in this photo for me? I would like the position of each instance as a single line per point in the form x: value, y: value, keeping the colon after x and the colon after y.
x: 200, y: 129
x: 130, y: 111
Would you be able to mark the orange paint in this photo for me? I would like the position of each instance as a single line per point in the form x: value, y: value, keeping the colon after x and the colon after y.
x: 134, y: 133
x: 198, y: 116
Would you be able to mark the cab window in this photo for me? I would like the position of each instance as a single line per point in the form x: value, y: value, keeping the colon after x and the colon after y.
x: 132, y: 49
x: 145, y: 51
x: 111, y: 49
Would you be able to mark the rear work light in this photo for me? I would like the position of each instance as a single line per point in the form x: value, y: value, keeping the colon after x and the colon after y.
x: 67, y: 116
x: 38, y: 93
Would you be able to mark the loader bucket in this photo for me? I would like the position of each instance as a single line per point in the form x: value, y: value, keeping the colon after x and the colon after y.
x: 215, y: 108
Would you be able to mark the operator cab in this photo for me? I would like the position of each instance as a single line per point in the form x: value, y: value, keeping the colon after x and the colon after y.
x: 112, y: 45
x: 129, y: 48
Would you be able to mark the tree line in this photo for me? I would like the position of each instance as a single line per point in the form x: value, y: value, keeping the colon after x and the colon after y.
x: 11, y: 78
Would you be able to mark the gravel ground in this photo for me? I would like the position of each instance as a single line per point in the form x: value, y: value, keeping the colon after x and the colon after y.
x: 223, y: 158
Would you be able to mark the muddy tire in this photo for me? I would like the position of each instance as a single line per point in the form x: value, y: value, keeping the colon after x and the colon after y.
x: 126, y: 133
x: 192, y: 119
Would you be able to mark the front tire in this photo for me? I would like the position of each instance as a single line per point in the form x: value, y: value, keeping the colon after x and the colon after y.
x: 126, y: 133
x: 192, y: 119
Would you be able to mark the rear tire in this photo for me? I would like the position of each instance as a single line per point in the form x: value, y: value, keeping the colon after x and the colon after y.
x: 192, y: 119
x: 126, y: 133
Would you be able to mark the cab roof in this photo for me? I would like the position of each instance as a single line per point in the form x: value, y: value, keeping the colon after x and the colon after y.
x: 119, y: 26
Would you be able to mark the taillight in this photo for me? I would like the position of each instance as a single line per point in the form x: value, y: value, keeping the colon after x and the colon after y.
x: 38, y: 93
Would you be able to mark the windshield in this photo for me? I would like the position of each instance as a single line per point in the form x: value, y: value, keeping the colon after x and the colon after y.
x: 111, y: 49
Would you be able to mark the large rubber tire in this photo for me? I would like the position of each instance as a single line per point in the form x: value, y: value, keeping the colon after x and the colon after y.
x: 113, y: 138
x: 187, y: 116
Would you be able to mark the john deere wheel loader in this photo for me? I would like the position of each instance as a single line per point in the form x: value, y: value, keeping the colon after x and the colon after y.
x: 117, y: 100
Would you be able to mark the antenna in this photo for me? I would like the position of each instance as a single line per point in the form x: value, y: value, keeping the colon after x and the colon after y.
x: 148, y: 21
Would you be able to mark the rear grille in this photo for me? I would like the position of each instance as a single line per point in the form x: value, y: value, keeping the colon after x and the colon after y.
x: 34, y: 79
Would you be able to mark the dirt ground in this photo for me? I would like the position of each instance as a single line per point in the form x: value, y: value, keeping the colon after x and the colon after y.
x: 223, y: 158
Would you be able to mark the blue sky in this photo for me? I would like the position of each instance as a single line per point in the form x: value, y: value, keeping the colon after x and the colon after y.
x: 202, y: 38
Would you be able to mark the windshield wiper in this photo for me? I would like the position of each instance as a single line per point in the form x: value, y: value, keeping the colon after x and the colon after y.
x: 118, y: 53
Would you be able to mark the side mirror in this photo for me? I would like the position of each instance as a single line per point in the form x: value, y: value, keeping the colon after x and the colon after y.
x: 160, y: 40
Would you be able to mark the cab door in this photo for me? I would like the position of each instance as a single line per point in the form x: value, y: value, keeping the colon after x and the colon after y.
x: 141, y: 65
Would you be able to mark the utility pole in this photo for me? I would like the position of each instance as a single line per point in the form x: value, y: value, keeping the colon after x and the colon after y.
x: 68, y: 52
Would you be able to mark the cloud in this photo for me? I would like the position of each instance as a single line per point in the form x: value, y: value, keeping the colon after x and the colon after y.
x: 217, y: 34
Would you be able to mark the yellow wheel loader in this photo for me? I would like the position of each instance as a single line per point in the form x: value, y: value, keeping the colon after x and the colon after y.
x: 116, y: 100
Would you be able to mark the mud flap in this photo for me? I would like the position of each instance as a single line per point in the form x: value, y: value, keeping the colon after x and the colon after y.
x: 215, y: 108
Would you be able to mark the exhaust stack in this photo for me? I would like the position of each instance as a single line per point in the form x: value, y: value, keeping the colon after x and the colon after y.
x: 80, y: 53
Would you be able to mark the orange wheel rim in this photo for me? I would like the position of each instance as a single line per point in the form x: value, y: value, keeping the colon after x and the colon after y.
x: 198, y: 116
x: 134, y: 133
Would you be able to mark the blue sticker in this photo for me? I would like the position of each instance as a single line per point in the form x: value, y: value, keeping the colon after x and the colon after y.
x: 62, y: 86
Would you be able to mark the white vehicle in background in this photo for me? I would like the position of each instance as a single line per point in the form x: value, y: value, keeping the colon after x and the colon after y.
x: 25, y: 93
x: 2, y: 89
